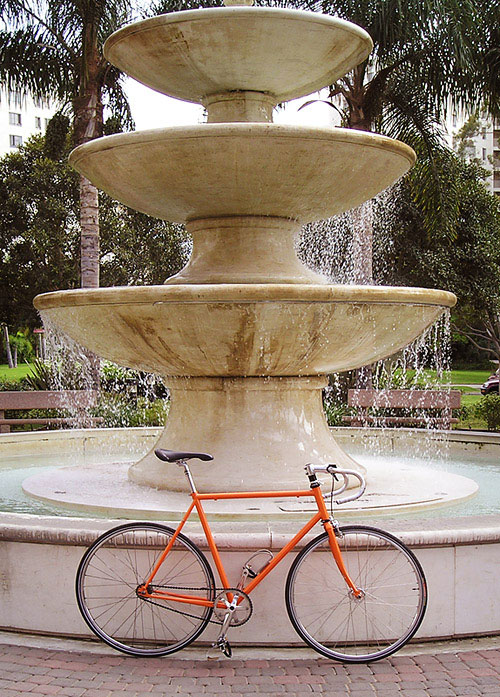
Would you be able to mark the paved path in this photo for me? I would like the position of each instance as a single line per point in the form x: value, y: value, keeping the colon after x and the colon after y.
x: 39, y: 672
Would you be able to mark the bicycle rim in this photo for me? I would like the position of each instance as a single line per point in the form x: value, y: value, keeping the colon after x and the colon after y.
x: 331, y: 620
x: 121, y: 560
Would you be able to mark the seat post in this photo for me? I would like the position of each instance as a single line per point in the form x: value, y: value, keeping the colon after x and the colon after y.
x: 187, y: 472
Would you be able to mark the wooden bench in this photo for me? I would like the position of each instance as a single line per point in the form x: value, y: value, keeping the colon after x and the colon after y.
x: 442, y: 402
x: 78, y: 400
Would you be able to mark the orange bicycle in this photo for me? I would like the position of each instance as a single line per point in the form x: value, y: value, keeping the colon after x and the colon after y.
x: 354, y: 593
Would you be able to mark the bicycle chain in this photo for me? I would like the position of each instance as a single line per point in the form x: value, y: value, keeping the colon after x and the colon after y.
x: 179, y: 612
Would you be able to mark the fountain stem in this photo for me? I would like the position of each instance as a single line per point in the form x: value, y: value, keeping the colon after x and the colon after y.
x: 244, y: 249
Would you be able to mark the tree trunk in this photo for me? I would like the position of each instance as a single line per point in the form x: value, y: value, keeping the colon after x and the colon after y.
x: 89, y: 242
x: 88, y: 113
x: 7, y: 346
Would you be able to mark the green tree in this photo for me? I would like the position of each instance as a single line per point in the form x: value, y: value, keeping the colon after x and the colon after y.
x: 406, y: 254
x: 54, y: 48
x: 428, y: 57
x: 39, y: 234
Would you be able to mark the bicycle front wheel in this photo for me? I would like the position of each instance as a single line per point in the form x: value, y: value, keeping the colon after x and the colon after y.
x: 327, y: 615
x: 119, y: 562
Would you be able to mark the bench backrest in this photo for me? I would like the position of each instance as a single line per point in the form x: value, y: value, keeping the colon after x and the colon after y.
x: 423, y: 399
x: 48, y: 399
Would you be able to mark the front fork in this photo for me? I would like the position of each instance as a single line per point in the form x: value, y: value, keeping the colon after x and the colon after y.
x: 332, y: 528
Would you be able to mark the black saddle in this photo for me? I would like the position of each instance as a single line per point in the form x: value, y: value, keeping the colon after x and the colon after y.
x: 175, y: 456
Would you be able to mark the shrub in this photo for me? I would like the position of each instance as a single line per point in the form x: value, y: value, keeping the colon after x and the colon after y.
x: 118, y: 411
x: 335, y: 412
x: 7, y: 385
x: 488, y: 409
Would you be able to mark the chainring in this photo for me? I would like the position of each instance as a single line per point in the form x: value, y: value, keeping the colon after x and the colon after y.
x: 242, y: 612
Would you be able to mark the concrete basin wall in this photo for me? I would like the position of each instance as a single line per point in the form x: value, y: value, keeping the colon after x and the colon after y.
x: 40, y: 557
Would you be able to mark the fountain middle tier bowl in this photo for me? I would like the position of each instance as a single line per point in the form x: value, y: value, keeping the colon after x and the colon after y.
x: 241, y: 169
x: 244, y: 330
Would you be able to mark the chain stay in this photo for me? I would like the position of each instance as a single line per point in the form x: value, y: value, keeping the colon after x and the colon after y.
x: 180, y: 612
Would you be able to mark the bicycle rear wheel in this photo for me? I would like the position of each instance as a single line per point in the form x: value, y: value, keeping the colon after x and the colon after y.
x: 327, y: 615
x: 121, y: 560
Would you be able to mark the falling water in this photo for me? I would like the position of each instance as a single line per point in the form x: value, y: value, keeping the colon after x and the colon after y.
x: 331, y: 247
x: 124, y: 397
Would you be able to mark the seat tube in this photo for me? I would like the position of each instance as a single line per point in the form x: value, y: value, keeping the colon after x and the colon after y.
x: 334, y: 545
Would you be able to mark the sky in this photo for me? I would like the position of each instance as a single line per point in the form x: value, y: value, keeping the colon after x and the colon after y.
x: 153, y: 110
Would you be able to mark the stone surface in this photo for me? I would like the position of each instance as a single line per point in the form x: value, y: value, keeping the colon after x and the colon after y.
x: 244, y: 307
x: 37, y: 668
x: 237, y: 169
x: 457, y: 553
x: 285, y: 53
x: 244, y: 330
x: 245, y: 249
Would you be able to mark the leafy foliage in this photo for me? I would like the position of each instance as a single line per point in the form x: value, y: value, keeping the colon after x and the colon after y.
x: 39, y: 235
x: 407, y: 254
x: 489, y: 410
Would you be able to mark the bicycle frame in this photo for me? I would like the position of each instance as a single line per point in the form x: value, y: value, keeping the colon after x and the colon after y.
x: 146, y: 590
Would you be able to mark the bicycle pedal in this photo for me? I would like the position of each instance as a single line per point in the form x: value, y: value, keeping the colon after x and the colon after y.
x: 225, y: 647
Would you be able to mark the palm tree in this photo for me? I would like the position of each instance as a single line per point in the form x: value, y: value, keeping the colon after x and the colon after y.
x: 54, y: 49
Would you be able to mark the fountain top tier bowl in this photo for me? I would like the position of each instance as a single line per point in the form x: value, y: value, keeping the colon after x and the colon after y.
x: 197, y: 53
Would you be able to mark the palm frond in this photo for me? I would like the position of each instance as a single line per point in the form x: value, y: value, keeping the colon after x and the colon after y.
x: 30, y: 61
x: 116, y: 100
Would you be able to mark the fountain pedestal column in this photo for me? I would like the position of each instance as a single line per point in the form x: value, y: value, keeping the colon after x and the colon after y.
x: 261, y: 432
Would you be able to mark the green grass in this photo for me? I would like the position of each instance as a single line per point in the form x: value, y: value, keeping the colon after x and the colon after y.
x: 18, y: 373
x: 458, y: 377
x: 469, y: 377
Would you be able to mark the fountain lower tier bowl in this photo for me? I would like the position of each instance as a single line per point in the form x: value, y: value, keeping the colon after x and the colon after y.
x: 284, y: 53
x: 243, y: 169
x: 244, y: 330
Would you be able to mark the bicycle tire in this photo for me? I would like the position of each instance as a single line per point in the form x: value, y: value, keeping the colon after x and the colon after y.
x: 327, y: 616
x: 116, y: 564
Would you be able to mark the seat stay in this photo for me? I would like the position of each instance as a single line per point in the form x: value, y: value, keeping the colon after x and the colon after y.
x: 169, y: 545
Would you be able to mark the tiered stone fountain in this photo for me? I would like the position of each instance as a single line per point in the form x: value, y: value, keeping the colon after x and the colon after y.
x: 245, y: 334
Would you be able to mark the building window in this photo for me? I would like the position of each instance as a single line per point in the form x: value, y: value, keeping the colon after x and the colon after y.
x: 484, y: 133
x: 15, y: 141
x: 46, y: 123
x: 15, y: 98
x: 41, y: 102
x: 15, y: 119
x: 38, y: 123
x: 454, y: 121
x: 484, y: 153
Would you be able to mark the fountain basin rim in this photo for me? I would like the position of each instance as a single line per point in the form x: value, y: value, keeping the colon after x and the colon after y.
x: 245, y: 293
x: 241, y: 13
x: 68, y: 530
x: 251, y: 129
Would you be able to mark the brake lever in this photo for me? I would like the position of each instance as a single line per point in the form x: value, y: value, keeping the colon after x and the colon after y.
x: 330, y: 469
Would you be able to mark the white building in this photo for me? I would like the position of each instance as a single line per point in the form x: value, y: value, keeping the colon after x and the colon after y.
x: 483, y: 145
x: 21, y: 116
